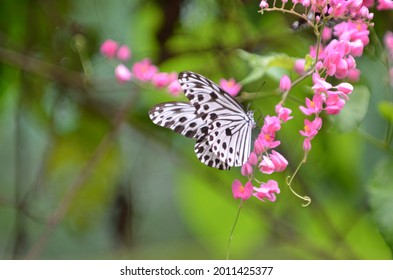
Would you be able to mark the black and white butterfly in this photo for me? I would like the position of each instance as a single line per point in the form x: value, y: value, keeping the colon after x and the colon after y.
x: 220, y: 125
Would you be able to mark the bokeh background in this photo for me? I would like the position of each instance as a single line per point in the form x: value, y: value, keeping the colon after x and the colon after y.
x: 85, y: 174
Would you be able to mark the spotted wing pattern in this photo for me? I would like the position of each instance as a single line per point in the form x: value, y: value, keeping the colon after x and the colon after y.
x: 229, y: 126
x: 181, y: 117
x: 219, y: 123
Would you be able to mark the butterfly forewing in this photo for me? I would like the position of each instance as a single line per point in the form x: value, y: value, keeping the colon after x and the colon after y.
x: 229, y: 130
x: 206, y: 96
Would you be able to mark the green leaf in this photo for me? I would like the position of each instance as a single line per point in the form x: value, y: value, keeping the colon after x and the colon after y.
x: 386, y: 110
x: 354, y: 111
x: 381, y: 193
x: 273, y: 65
x: 308, y: 61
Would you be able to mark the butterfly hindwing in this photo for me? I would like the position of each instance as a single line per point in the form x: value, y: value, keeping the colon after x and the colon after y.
x: 181, y: 117
x: 230, y: 141
x: 205, y: 154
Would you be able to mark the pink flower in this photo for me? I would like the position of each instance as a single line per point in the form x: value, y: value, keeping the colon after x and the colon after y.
x: 275, y: 162
x: 174, y: 88
x: 299, y: 66
x: 240, y: 191
x: 285, y: 83
x: 271, y: 125
x: 259, y: 146
x: 163, y: 79
x: 335, y: 52
x: 314, y: 106
x: 354, y: 74
x: 267, y: 190
x: 283, y: 113
x: 144, y: 70
x: 385, y: 5
x: 122, y: 74
x: 266, y: 166
x: 109, y: 48
x: 368, y: 3
x: 230, y: 86
x: 338, y: 8
x: 123, y: 53
x: 264, y: 142
x: 365, y: 13
x: 311, y: 127
x: 345, y: 88
x: 331, y: 61
x: 351, y: 62
x: 341, y: 69
x: 263, y: 4
x: 307, y: 144
x: 246, y: 169
x: 320, y: 85
x: 305, y: 3
x: 280, y: 163
x: 334, y: 103
x: 253, y: 159
x: 357, y: 47
x: 326, y: 34
x: 349, y: 31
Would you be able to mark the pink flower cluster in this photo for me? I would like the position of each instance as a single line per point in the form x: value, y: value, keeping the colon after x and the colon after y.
x: 334, y: 58
x: 111, y: 49
x: 326, y: 97
x: 146, y: 72
x: 337, y: 57
x: 383, y: 4
x: 265, y: 158
x: 354, y: 9
x: 142, y: 71
x: 266, y: 190
x: 230, y: 86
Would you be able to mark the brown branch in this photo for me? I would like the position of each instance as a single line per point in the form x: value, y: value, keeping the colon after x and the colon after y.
x: 60, y: 212
x: 43, y: 69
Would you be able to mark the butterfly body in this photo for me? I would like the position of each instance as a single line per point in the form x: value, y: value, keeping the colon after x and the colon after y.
x: 218, y: 122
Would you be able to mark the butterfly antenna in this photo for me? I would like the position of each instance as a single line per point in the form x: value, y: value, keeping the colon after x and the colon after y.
x: 261, y: 116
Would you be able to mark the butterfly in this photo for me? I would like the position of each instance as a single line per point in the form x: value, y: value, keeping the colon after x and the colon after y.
x: 219, y: 123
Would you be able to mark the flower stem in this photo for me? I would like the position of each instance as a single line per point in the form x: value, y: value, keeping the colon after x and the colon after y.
x: 233, y: 228
x: 289, y: 182
x: 294, y: 83
x: 291, y: 11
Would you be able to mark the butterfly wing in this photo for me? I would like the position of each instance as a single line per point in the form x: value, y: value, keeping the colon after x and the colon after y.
x: 205, y: 154
x: 229, y: 126
x: 181, y: 117
x: 231, y: 140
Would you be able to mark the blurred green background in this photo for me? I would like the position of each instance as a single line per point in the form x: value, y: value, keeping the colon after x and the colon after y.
x: 85, y: 174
